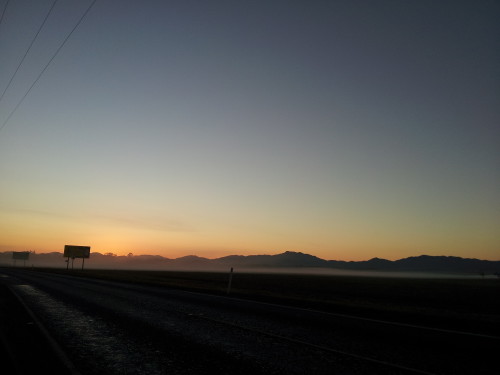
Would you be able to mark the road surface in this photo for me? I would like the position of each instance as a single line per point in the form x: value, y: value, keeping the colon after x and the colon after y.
x: 100, y: 327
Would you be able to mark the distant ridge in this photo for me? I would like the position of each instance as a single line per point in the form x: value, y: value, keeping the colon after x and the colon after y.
x: 288, y: 259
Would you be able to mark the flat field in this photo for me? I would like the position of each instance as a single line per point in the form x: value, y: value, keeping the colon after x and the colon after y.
x: 458, y: 304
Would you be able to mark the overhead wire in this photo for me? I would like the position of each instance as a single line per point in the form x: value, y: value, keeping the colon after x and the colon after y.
x: 28, y: 50
x: 4, y: 10
x: 48, y: 64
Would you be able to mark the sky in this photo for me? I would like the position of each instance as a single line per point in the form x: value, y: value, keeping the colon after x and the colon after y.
x: 342, y: 129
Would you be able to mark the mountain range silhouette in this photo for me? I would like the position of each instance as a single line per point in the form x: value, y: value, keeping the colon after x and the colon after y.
x: 288, y: 259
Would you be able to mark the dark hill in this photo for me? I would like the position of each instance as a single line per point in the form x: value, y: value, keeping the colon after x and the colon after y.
x: 289, y: 259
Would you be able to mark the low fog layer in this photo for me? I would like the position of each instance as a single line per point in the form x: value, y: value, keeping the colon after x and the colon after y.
x: 288, y: 262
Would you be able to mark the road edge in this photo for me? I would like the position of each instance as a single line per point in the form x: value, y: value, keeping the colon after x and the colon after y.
x: 54, y: 345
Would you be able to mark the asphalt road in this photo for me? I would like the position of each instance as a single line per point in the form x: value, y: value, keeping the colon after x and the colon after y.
x: 88, y: 326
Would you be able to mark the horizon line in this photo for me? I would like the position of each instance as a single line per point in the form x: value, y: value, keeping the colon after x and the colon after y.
x: 111, y: 254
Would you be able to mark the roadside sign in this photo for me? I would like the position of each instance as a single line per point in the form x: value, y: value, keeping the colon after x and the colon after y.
x: 73, y: 251
x: 20, y: 255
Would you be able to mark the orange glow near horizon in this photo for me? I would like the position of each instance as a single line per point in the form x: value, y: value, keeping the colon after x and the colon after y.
x: 347, y: 251
x: 42, y: 233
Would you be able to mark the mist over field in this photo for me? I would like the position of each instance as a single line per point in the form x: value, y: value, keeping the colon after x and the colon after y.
x: 355, y: 273
x: 284, y: 263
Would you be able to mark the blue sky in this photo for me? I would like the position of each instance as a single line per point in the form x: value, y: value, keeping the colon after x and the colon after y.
x: 344, y: 129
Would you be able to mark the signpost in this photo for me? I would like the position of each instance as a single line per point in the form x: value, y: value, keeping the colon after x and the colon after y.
x: 20, y: 255
x: 72, y: 251
x: 230, y: 281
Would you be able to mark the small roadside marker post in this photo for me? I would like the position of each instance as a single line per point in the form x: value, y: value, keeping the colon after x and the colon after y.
x: 230, y: 281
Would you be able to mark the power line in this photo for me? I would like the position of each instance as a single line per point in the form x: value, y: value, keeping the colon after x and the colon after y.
x: 4, y: 10
x: 29, y: 48
x: 47, y: 65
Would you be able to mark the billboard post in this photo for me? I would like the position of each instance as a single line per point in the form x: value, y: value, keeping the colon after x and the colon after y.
x: 72, y: 251
x: 20, y: 255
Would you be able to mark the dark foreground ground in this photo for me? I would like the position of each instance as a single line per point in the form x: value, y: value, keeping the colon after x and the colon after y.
x: 24, y: 347
x: 466, y: 305
x: 453, y: 303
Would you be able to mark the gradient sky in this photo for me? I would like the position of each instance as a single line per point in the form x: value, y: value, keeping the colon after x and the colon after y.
x: 343, y: 129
